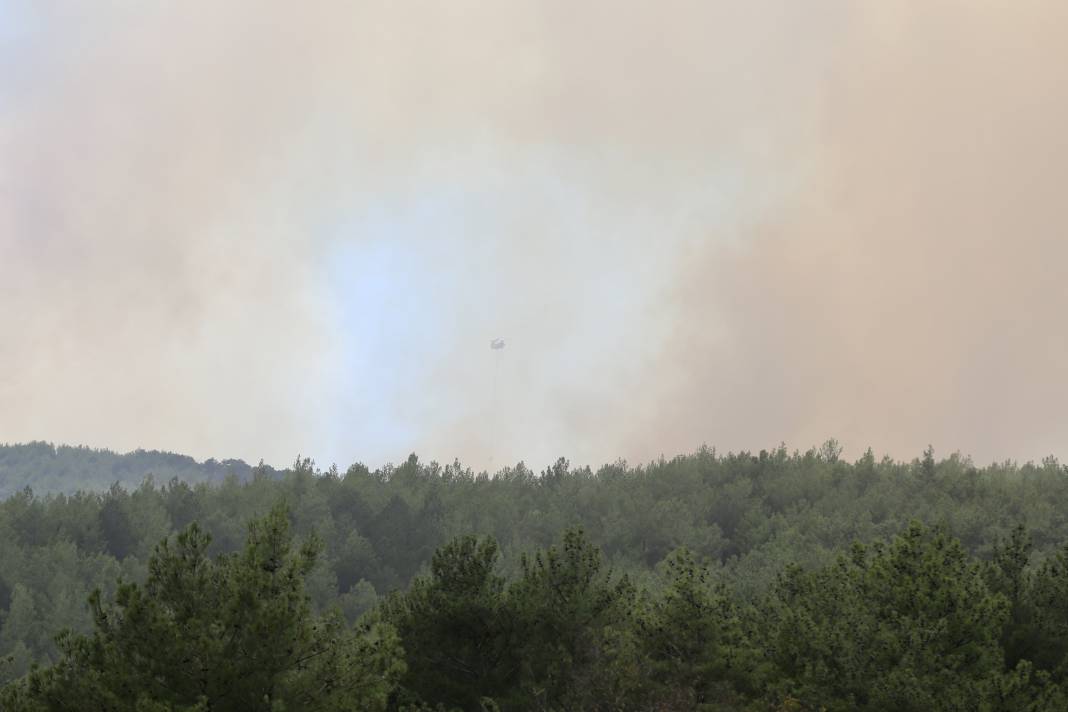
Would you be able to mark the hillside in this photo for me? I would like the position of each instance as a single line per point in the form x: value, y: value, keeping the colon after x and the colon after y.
x: 50, y: 469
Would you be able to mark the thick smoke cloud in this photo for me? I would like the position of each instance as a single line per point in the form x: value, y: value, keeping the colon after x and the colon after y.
x: 911, y: 290
x: 252, y: 229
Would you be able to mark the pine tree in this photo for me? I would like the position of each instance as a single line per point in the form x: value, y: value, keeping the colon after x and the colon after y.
x: 231, y: 633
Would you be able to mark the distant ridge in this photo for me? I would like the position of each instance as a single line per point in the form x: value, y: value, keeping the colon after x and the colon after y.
x: 52, y: 469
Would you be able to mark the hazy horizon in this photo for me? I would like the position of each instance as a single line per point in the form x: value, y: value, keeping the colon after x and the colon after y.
x: 251, y: 230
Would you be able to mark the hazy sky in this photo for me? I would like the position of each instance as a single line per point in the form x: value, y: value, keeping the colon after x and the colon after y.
x: 256, y: 229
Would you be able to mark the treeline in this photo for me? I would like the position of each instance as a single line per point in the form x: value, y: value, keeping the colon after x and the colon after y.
x: 47, y: 468
x: 747, y: 517
x: 913, y: 624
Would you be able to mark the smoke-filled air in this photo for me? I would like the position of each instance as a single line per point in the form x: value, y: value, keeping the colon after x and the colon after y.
x: 254, y: 229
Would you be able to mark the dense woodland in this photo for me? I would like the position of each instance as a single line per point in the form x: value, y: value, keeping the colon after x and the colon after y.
x: 47, y: 468
x: 740, y: 581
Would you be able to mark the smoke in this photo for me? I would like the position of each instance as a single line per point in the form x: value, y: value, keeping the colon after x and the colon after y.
x: 910, y: 291
x: 248, y: 229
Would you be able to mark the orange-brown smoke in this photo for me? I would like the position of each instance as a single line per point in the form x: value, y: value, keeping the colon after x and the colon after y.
x: 913, y: 289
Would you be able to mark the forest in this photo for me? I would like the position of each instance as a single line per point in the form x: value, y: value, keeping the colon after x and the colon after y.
x: 47, y: 468
x: 773, y: 580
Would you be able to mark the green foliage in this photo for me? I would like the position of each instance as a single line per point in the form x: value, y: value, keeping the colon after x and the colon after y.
x: 1045, y: 629
x: 457, y: 628
x: 231, y: 633
x: 571, y: 613
x: 692, y: 639
x: 64, y: 469
x: 911, y: 626
x: 799, y: 581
